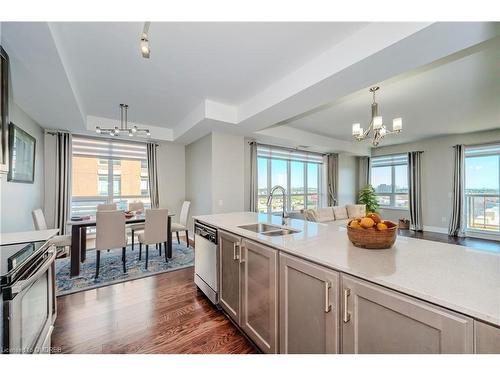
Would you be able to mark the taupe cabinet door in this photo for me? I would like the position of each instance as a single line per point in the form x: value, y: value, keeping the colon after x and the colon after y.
x: 308, y: 307
x: 229, y: 298
x: 378, y: 320
x: 487, y: 338
x: 259, y: 294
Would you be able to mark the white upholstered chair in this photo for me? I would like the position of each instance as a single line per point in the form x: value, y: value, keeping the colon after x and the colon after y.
x: 62, y: 241
x: 106, y: 207
x: 181, y: 226
x: 110, y: 226
x: 155, y: 231
x: 135, y: 206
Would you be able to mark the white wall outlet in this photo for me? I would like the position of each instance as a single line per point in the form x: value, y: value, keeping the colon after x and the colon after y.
x: 221, y: 203
x: 444, y: 219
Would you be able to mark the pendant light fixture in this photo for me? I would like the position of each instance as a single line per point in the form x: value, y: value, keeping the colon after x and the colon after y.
x: 123, y: 129
x: 376, y: 130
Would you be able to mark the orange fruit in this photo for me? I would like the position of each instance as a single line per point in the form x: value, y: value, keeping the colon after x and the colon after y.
x: 367, y: 222
x: 381, y: 226
x: 375, y: 217
x: 355, y: 224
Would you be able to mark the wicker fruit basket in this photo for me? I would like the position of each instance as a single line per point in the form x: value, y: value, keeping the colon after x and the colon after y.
x: 373, y: 238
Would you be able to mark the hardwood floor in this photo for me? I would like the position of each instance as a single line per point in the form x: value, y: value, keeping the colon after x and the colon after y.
x: 158, y: 314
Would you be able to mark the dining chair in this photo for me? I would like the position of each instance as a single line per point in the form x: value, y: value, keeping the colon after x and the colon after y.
x: 181, y: 226
x: 106, y: 207
x: 155, y: 231
x: 110, y: 234
x: 61, y: 241
x: 135, y: 206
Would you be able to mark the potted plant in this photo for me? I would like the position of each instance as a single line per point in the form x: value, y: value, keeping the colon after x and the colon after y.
x: 368, y: 198
x: 404, y: 223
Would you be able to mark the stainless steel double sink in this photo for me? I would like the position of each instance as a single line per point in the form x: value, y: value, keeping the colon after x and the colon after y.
x: 268, y: 230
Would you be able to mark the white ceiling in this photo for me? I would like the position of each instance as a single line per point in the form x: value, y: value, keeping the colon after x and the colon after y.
x: 452, y: 97
x: 246, y: 77
x: 190, y: 62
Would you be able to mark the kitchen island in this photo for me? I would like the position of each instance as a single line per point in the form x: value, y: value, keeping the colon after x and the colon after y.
x: 449, y: 280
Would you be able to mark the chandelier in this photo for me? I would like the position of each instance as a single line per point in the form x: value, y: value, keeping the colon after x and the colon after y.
x: 123, y: 129
x: 376, y: 130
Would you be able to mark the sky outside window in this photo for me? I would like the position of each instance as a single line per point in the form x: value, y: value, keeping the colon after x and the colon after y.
x: 482, y: 174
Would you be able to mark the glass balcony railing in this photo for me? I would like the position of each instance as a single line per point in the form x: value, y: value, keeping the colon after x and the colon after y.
x: 482, y: 212
x: 81, y: 206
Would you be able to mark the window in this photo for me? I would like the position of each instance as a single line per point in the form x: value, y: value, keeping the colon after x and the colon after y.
x: 389, y: 178
x: 482, y: 188
x: 299, y: 172
x: 106, y: 171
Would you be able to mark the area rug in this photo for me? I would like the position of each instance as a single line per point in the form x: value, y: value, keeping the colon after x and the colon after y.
x: 111, y: 269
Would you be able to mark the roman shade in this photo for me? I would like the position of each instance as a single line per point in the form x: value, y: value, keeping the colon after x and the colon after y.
x: 276, y: 152
x: 108, y: 148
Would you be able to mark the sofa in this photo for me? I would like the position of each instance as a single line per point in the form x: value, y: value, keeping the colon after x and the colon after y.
x: 335, y: 214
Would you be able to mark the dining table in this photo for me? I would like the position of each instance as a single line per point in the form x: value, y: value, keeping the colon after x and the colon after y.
x: 79, y: 238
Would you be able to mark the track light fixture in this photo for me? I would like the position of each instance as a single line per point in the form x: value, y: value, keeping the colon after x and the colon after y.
x: 145, y: 48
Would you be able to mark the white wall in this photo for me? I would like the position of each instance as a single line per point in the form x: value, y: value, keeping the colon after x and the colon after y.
x: 172, y: 176
x: 228, y: 173
x: 215, y: 174
x: 437, y: 175
x: 19, y: 199
x: 347, y: 179
x: 199, y: 176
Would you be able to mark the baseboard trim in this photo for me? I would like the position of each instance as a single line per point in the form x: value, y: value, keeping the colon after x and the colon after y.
x: 441, y: 230
x: 483, y: 236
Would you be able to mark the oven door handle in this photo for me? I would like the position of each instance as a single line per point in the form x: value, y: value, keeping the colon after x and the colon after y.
x: 21, y: 285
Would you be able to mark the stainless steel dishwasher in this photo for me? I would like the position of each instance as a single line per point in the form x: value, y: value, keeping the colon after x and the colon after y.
x: 206, y: 260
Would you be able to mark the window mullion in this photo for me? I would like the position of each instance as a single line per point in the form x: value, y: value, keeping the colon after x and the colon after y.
x: 289, y: 186
x: 306, y: 186
x: 393, y: 183
x: 269, y: 208
x: 110, y: 181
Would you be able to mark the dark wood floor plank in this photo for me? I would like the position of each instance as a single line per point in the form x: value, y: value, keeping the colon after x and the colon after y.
x: 165, y: 313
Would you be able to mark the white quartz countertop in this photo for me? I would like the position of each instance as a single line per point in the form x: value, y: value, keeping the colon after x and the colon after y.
x: 30, y: 236
x: 456, y: 277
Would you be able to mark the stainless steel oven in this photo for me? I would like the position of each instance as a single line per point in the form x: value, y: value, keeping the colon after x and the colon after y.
x: 28, y: 298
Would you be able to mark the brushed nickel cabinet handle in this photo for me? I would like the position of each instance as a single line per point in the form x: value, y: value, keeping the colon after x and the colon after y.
x: 242, y: 259
x: 328, y: 306
x: 235, y: 245
x: 347, y: 315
